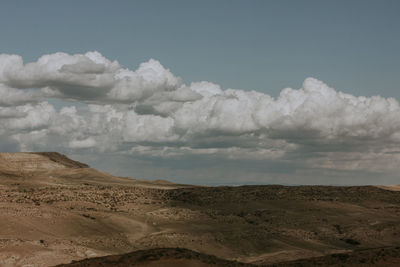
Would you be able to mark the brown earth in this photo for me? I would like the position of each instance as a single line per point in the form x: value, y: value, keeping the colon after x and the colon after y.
x: 54, y: 210
x: 391, y: 187
x: 385, y: 256
x: 166, y: 257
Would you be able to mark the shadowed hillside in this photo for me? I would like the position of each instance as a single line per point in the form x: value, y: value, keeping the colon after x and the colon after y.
x: 388, y: 257
x: 166, y: 257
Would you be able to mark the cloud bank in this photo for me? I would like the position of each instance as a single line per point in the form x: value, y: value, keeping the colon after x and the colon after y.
x: 151, y: 114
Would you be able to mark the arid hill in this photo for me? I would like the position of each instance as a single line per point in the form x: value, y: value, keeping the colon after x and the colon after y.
x: 37, y: 161
x: 54, y: 210
x: 166, y: 257
x: 170, y: 257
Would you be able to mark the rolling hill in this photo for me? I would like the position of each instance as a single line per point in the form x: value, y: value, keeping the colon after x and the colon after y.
x: 55, y: 210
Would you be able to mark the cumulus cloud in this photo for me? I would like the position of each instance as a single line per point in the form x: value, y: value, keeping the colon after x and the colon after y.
x: 12, y: 96
x: 151, y: 113
x: 91, y: 77
x: 86, y: 143
x: 76, y: 76
x: 26, y: 117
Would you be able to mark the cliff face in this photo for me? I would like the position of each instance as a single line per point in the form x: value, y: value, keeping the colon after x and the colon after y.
x: 31, y: 162
x: 62, y: 159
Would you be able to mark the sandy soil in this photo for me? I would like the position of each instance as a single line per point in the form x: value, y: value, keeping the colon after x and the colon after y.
x: 391, y: 187
x: 54, y: 210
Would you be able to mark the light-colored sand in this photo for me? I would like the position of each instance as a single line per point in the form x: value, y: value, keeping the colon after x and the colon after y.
x: 390, y: 187
x: 25, y: 162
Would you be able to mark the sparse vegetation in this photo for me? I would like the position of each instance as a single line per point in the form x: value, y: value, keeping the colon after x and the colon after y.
x: 78, y: 213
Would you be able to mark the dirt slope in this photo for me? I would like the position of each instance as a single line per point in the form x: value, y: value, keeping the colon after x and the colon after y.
x: 62, y: 159
x: 386, y: 256
x: 30, y: 162
x: 51, y: 168
x: 391, y: 187
x: 166, y: 257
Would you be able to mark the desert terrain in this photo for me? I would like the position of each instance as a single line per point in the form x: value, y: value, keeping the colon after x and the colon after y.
x: 56, y: 211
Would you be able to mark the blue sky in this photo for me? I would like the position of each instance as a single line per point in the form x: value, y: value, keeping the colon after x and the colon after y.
x: 147, y: 123
x: 251, y: 45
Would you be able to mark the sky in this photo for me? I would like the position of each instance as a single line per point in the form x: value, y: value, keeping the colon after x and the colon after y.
x: 206, y: 92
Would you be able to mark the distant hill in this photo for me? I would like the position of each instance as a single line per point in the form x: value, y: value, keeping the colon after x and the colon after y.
x: 37, y: 161
x: 55, y: 168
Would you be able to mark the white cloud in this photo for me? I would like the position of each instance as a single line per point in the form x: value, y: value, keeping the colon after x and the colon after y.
x: 27, y: 117
x: 151, y: 77
x: 75, y: 76
x: 150, y: 112
x: 11, y: 96
x: 91, y: 77
x: 86, y: 143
